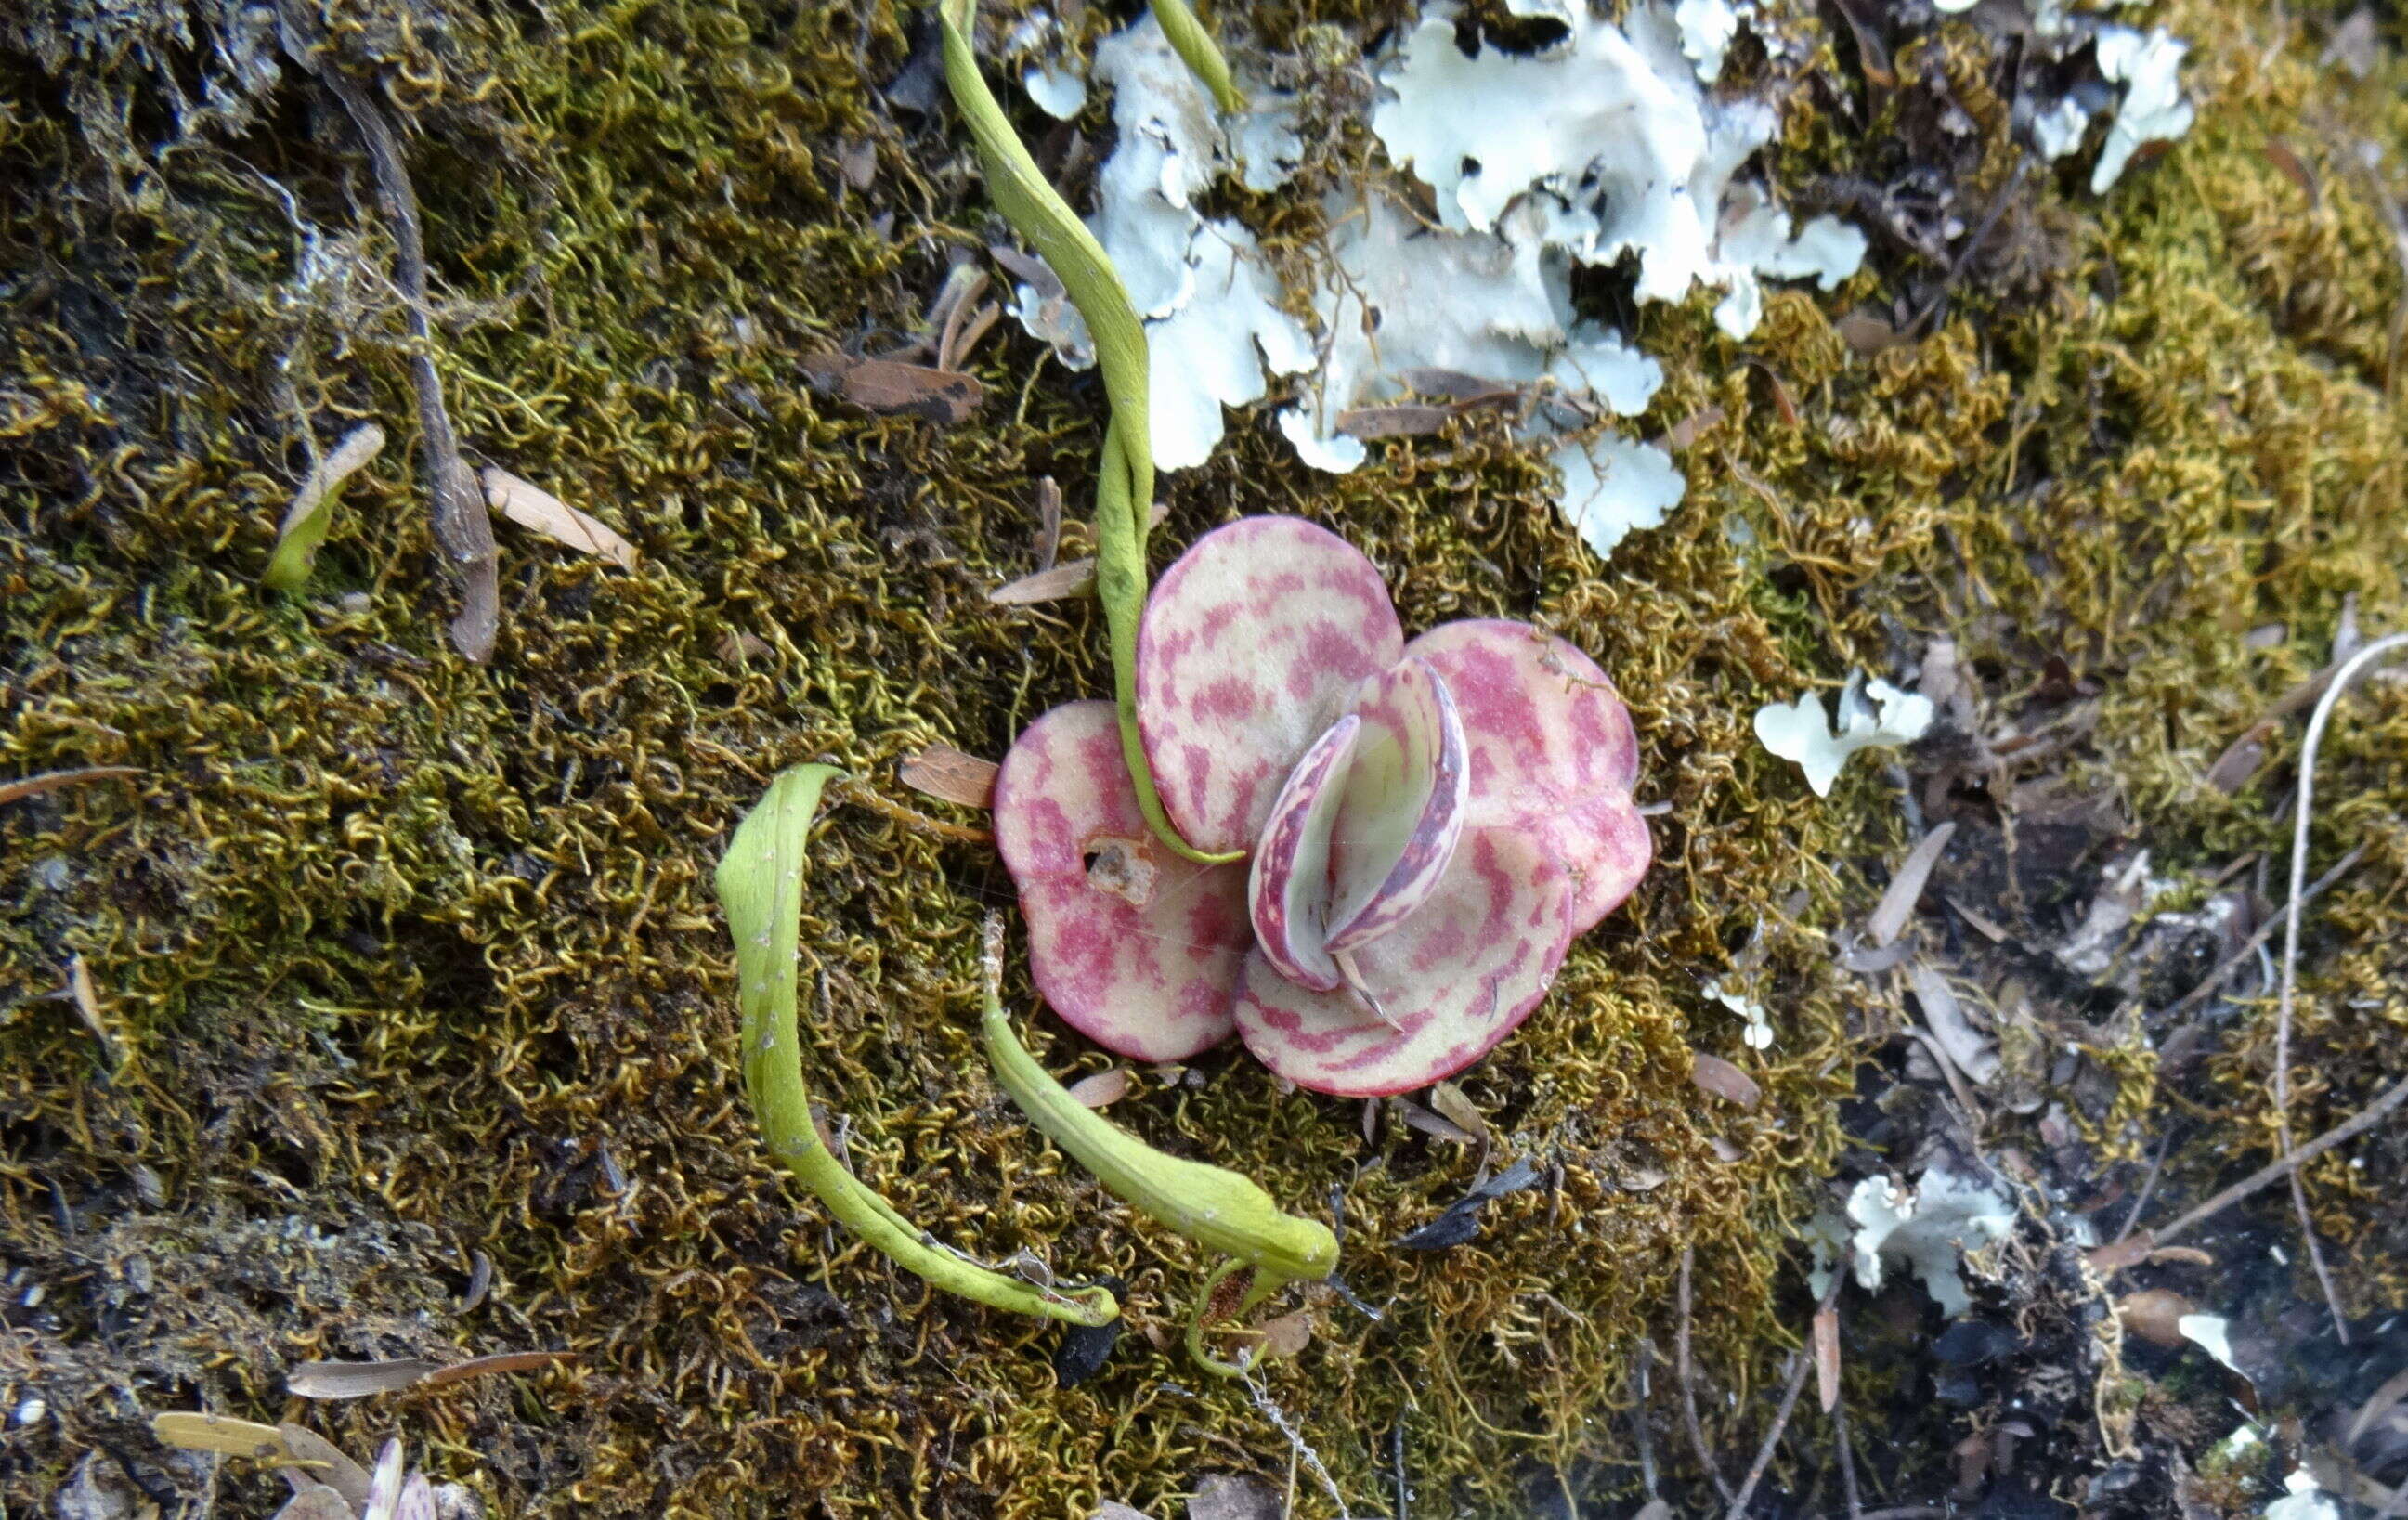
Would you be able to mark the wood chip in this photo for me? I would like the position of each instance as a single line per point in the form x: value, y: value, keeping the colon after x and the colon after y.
x: 1100, y: 1088
x: 944, y: 396
x: 193, y: 1431
x: 361, y: 1380
x: 1827, y: 1356
x: 1906, y: 888
x: 949, y: 775
x: 1448, y: 1099
x: 50, y: 781
x: 1060, y: 582
x: 539, y: 511
x: 1717, y: 1076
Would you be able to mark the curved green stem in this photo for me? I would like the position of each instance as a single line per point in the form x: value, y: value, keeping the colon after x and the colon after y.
x: 1125, y: 479
x: 1211, y: 1205
x: 1193, y: 42
x: 760, y: 884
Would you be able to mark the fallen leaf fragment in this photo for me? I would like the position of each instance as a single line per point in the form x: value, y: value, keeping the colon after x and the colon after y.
x: 539, y: 511
x: 50, y: 781
x: 1459, y: 1221
x: 1975, y: 1053
x: 312, y: 511
x: 87, y: 1002
x: 1448, y: 1099
x: 315, y: 1459
x: 1286, y: 1336
x: 1827, y: 1356
x: 317, y: 1502
x: 193, y: 1431
x: 1099, y: 1088
x: 1071, y: 578
x: 360, y: 1380
x: 1420, y: 1118
x: 1402, y: 421
x: 736, y: 647
x: 1714, y: 1074
x: 949, y: 775
x: 1906, y: 887
x: 944, y: 396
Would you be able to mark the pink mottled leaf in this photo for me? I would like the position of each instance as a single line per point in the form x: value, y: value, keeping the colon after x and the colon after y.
x: 1132, y: 946
x: 1452, y: 980
x: 1402, y: 808
x: 1551, y: 748
x: 1253, y: 644
x: 1287, y: 885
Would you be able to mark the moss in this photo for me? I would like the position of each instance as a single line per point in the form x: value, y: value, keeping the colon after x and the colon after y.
x: 406, y: 946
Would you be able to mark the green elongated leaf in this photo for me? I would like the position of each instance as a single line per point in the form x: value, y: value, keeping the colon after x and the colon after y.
x: 1211, y: 1205
x: 1194, y: 44
x: 312, y: 512
x: 1125, y: 478
x: 760, y: 884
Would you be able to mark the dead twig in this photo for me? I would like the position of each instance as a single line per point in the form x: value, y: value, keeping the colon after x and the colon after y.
x: 50, y: 781
x: 2301, y: 815
x: 2349, y: 1129
x: 2248, y: 949
x: 1799, y: 1363
x: 1689, y: 1382
x: 1847, y: 1460
x: 462, y: 526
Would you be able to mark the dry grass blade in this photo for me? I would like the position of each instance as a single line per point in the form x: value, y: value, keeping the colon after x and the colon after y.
x: 2302, y: 814
x: 1100, y: 1089
x: 50, y: 781
x: 362, y: 1380
x: 1059, y: 582
x: 1906, y: 888
x: 949, y: 775
x: 312, y: 512
x: 538, y: 511
x: 1714, y: 1074
x: 193, y: 1431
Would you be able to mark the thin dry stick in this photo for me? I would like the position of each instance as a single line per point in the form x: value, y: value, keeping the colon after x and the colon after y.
x: 462, y: 525
x: 1847, y: 1460
x: 2301, y: 818
x: 2248, y: 949
x: 1688, y: 1384
x: 1799, y: 1364
x: 2368, y: 1117
x: 2149, y: 1185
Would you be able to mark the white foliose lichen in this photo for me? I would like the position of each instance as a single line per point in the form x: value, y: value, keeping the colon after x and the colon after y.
x: 1926, y: 1229
x: 1871, y: 713
x: 2152, y: 109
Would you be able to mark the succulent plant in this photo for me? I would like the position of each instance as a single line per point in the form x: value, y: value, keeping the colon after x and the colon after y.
x: 1428, y: 824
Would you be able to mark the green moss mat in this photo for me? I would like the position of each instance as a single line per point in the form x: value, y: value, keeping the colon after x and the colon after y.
x: 423, y: 955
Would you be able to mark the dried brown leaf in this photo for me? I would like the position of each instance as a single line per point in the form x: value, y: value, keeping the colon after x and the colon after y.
x: 1690, y: 428
x: 947, y: 774
x: 50, y: 781
x: 1420, y: 1118
x: 944, y: 396
x: 1071, y: 578
x: 1714, y: 1074
x: 1100, y: 1088
x: 1448, y: 1099
x: 1827, y: 1356
x: 539, y: 511
x: 193, y: 1431
x: 314, y: 1458
x: 1906, y: 888
x: 736, y: 647
x: 1867, y: 332
x: 1401, y: 420
x: 361, y: 1380
x: 1286, y: 1336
